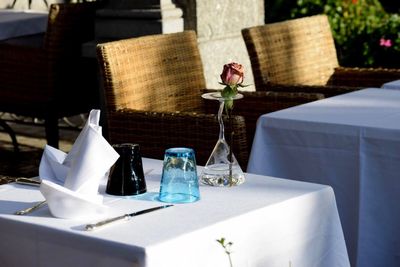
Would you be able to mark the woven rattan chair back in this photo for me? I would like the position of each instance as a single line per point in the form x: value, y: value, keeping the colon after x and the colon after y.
x: 299, y: 51
x: 162, y: 73
x: 68, y: 27
x: 53, y: 80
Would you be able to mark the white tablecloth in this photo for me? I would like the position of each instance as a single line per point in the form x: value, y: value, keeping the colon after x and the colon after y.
x: 14, y: 23
x: 351, y: 142
x: 392, y: 85
x: 271, y: 222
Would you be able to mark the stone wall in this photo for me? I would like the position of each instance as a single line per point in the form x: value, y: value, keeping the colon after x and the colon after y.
x: 218, y: 24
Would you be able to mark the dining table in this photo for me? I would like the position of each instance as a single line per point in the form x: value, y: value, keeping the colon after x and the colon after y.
x: 352, y: 143
x: 16, y: 23
x: 395, y: 85
x: 266, y: 221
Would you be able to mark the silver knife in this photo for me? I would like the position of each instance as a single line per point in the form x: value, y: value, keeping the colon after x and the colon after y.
x: 126, y: 217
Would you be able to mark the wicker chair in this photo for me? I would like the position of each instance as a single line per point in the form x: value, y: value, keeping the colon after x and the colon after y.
x: 51, y: 80
x: 302, y: 52
x: 153, y: 86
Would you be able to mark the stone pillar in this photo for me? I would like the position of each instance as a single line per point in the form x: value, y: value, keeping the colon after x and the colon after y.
x: 218, y: 24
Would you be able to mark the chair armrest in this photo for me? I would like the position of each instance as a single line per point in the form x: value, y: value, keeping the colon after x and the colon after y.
x: 261, y: 102
x: 325, y: 90
x: 156, y: 131
x: 363, y: 77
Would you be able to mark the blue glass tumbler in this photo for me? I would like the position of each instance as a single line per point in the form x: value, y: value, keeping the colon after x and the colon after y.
x: 179, y: 181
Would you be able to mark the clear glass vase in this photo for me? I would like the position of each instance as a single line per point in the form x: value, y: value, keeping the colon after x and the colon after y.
x: 222, y: 168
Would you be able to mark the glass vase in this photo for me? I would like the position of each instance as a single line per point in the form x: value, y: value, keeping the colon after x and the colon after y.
x: 222, y: 168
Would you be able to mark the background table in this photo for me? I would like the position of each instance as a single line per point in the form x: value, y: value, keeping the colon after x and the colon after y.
x: 14, y: 23
x: 271, y: 222
x: 351, y: 142
x: 392, y: 85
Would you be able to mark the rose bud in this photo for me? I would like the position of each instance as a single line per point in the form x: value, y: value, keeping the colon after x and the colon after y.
x: 232, y: 74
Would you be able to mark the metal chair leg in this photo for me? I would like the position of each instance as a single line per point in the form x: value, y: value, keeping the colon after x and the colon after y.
x: 51, y: 128
x: 11, y: 133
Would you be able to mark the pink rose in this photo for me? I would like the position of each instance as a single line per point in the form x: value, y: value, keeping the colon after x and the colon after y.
x: 232, y: 74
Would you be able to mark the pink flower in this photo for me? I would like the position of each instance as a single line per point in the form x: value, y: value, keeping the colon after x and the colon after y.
x: 232, y: 74
x: 385, y: 43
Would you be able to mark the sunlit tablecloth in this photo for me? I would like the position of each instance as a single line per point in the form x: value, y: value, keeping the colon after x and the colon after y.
x: 16, y: 23
x: 271, y: 222
x: 392, y: 85
x: 351, y: 142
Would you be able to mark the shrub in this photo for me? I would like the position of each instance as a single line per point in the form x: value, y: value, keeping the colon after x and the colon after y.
x: 365, y: 34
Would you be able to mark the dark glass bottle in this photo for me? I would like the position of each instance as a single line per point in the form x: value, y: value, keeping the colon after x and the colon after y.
x: 126, y: 176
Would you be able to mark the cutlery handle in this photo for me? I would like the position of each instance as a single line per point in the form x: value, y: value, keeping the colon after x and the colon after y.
x: 27, y: 181
x: 28, y: 210
x: 94, y: 226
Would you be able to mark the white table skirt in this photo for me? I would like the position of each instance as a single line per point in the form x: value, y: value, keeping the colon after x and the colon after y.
x: 14, y: 23
x: 351, y: 142
x: 271, y: 222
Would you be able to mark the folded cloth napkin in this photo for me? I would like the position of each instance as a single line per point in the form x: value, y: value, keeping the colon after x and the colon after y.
x: 70, y: 181
x: 51, y: 165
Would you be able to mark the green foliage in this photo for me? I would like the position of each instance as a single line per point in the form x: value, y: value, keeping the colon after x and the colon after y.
x: 227, y: 248
x: 278, y: 10
x: 358, y: 27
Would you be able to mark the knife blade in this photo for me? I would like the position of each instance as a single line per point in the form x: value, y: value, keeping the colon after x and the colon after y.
x: 126, y: 217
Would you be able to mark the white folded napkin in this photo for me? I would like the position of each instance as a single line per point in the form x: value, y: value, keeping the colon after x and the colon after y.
x: 51, y: 165
x: 70, y: 181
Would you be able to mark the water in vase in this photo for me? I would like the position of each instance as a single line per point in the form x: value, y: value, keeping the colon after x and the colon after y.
x: 220, y: 170
x: 218, y: 175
